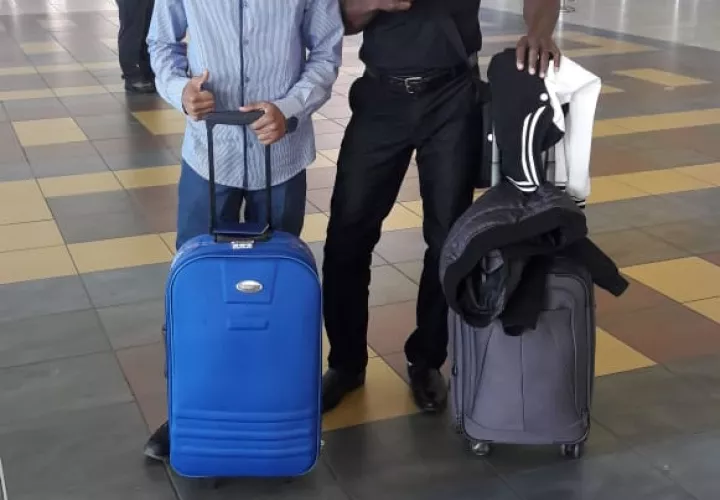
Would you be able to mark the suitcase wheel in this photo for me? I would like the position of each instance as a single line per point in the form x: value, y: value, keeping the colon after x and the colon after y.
x: 573, y: 451
x: 480, y: 448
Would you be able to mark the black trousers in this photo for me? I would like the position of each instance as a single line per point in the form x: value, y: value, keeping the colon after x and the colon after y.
x: 135, y: 16
x: 387, y: 125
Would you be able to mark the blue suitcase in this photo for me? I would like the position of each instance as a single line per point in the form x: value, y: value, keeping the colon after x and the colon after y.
x: 244, y: 349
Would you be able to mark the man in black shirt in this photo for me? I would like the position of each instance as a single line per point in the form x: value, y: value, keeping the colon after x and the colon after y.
x: 419, y: 93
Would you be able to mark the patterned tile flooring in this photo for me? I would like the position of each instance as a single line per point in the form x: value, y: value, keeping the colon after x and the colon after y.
x: 87, y: 214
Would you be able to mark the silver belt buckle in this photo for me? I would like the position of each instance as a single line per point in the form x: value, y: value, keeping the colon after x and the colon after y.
x: 409, y: 81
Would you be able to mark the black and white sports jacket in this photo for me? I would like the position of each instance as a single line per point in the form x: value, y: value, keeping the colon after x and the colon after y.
x: 531, y: 114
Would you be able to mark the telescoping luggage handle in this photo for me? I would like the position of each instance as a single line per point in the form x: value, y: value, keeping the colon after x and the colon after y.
x: 246, y: 231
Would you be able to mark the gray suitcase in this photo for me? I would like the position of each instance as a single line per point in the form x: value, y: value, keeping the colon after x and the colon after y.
x: 532, y: 389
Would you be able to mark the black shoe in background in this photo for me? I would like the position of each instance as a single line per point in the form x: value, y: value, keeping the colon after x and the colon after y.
x: 140, y: 86
x: 429, y: 388
x: 158, y: 446
x: 337, y: 384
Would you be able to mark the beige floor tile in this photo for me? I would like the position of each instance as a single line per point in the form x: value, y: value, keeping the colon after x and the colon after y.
x: 21, y: 95
x: 315, y: 228
x: 169, y: 240
x: 384, y: 396
x: 51, y: 131
x: 321, y: 162
x: 79, y: 91
x: 149, y: 177
x: 661, y: 182
x: 664, y: 121
x: 414, y: 206
x: 35, y: 264
x: 401, y: 218
x: 608, y: 128
x: 119, y: 253
x: 72, y: 185
x: 609, y: 89
x: 102, y: 65
x: 710, y: 308
x: 29, y: 235
x: 162, y: 121
x: 613, y: 356
x: 41, y: 47
x: 659, y: 77
x: 60, y: 68
x: 330, y: 154
x: 605, y: 189
x: 22, y: 201
x: 684, y: 280
x: 18, y: 70
x: 707, y: 173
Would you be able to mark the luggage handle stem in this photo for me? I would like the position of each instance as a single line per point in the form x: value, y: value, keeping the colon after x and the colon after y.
x: 240, y: 119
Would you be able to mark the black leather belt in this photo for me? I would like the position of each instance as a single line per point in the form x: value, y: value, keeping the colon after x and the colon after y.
x: 419, y: 84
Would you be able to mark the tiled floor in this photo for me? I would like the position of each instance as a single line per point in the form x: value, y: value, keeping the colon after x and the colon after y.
x: 87, y: 216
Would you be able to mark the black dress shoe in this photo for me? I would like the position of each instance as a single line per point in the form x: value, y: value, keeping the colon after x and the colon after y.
x: 429, y: 388
x: 158, y: 446
x: 336, y: 385
x: 140, y: 86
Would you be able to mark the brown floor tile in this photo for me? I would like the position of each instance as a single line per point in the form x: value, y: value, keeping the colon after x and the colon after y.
x: 143, y: 368
x: 636, y: 298
x: 157, y: 198
x: 401, y: 246
x: 694, y: 236
x: 609, y: 160
x: 410, y: 189
x: 36, y: 109
x: 712, y: 257
x: 319, y: 178
x: 390, y: 286
x: 320, y: 198
x: 390, y: 327
x: 665, y: 334
x: 631, y: 247
x: 413, y: 270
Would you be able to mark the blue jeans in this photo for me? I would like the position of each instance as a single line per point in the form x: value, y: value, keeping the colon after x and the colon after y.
x: 193, y: 217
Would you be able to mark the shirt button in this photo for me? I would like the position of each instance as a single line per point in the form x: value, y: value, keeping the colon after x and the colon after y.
x: 544, y: 97
x: 246, y: 42
x: 247, y: 79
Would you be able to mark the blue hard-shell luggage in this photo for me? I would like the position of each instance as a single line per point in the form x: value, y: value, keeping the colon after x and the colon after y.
x: 244, y: 349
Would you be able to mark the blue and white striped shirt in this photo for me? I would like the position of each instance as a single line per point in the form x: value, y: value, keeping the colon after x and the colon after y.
x: 283, y: 51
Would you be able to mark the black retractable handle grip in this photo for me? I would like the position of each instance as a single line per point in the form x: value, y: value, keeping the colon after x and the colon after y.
x: 239, y: 119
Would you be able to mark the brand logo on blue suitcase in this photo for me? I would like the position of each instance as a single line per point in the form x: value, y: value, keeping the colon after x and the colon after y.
x: 249, y: 286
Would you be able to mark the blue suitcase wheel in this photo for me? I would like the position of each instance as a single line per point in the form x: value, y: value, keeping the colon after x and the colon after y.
x: 573, y: 451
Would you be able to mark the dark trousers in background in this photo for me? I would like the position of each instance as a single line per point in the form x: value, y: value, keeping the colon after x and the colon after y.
x: 385, y: 128
x: 135, y: 16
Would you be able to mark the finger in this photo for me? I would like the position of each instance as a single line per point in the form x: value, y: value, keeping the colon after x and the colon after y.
x: 201, y: 80
x: 261, y: 123
x: 255, y: 106
x: 544, y: 62
x: 521, y: 53
x: 556, y: 57
x: 204, y: 108
x: 532, y: 59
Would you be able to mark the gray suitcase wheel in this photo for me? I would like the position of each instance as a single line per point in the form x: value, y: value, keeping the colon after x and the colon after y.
x: 573, y: 451
x: 481, y: 448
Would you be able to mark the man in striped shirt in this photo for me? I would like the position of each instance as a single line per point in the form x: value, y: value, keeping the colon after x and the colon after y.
x: 279, y: 56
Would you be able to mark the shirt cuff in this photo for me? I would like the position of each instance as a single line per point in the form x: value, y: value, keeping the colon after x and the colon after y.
x: 289, y: 107
x: 174, y: 92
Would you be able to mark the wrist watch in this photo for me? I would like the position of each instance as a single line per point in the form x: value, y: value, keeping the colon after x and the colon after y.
x: 291, y: 124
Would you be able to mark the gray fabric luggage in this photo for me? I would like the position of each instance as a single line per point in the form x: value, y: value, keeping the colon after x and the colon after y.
x: 535, y: 388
